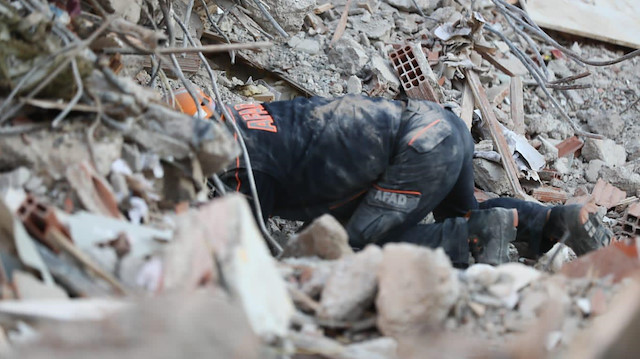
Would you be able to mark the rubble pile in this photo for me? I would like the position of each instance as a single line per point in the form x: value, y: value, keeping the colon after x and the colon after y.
x: 111, y: 243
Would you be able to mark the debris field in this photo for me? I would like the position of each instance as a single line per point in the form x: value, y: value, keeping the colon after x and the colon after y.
x: 117, y: 239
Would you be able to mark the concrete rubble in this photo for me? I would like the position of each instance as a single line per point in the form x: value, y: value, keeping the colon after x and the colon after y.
x: 112, y: 244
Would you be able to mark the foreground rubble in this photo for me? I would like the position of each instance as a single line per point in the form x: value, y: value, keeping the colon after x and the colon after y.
x: 112, y: 246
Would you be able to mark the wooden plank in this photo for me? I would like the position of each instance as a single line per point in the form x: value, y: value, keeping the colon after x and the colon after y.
x: 495, y: 62
x: 614, y: 21
x: 342, y: 24
x: 468, y: 104
x: 517, y: 105
x: 496, y: 132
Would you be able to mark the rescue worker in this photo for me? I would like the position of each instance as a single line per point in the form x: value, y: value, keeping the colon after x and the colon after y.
x: 381, y: 166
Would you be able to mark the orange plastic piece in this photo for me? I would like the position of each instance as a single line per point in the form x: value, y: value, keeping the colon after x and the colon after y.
x: 185, y: 104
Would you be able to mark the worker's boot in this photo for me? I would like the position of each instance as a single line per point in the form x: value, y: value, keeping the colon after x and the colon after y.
x: 583, y: 224
x: 490, y: 232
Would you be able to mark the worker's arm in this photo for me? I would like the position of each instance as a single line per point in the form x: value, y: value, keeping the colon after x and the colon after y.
x: 421, y: 174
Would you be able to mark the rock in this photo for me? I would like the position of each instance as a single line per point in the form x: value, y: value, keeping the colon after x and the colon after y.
x: 490, y: 176
x: 242, y: 257
x: 417, y: 288
x: 308, y: 46
x: 352, y: 285
x: 385, y: 76
x: 379, y: 28
x: 354, y: 85
x: 606, y: 150
x: 325, y: 238
x: 348, y: 56
x: 288, y: 14
x: 407, y: 5
x: 548, y: 125
x: 623, y: 178
x: 593, y: 170
x: 609, y: 125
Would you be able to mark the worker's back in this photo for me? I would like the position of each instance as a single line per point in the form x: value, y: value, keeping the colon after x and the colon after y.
x: 320, y: 150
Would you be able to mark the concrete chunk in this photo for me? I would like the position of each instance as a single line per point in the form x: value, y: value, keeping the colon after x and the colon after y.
x: 325, y: 238
x: 491, y: 176
x: 351, y: 286
x: 605, y: 150
x: 348, y: 56
x: 417, y: 288
x: 246, y: 265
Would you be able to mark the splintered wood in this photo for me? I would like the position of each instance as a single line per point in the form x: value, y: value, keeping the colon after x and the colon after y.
x: 517, y: 105
x: 496, y: 133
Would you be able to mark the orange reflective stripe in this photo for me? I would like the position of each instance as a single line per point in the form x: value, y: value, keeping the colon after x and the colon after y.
x: 348, y: 200
x: 423, y: 130
x: 416, y: 193
x: 235, y: 137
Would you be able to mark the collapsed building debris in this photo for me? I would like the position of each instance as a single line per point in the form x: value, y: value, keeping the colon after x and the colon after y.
x: 112, y: 245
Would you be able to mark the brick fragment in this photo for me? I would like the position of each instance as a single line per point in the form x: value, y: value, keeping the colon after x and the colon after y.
x: 569, y: 146
x: 550, y: 194
x: 607, y: 195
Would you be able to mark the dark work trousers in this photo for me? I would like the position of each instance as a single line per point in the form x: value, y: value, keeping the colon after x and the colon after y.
x: 431, y: 170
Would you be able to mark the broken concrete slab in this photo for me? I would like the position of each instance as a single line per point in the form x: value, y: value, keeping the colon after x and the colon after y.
x: 417, y: 288
x: 348, y: 56
x: 351, y: 287
x: 243, y: 256
x: 187, y: 261
x: 324, y: 237
x: 605, y: 150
